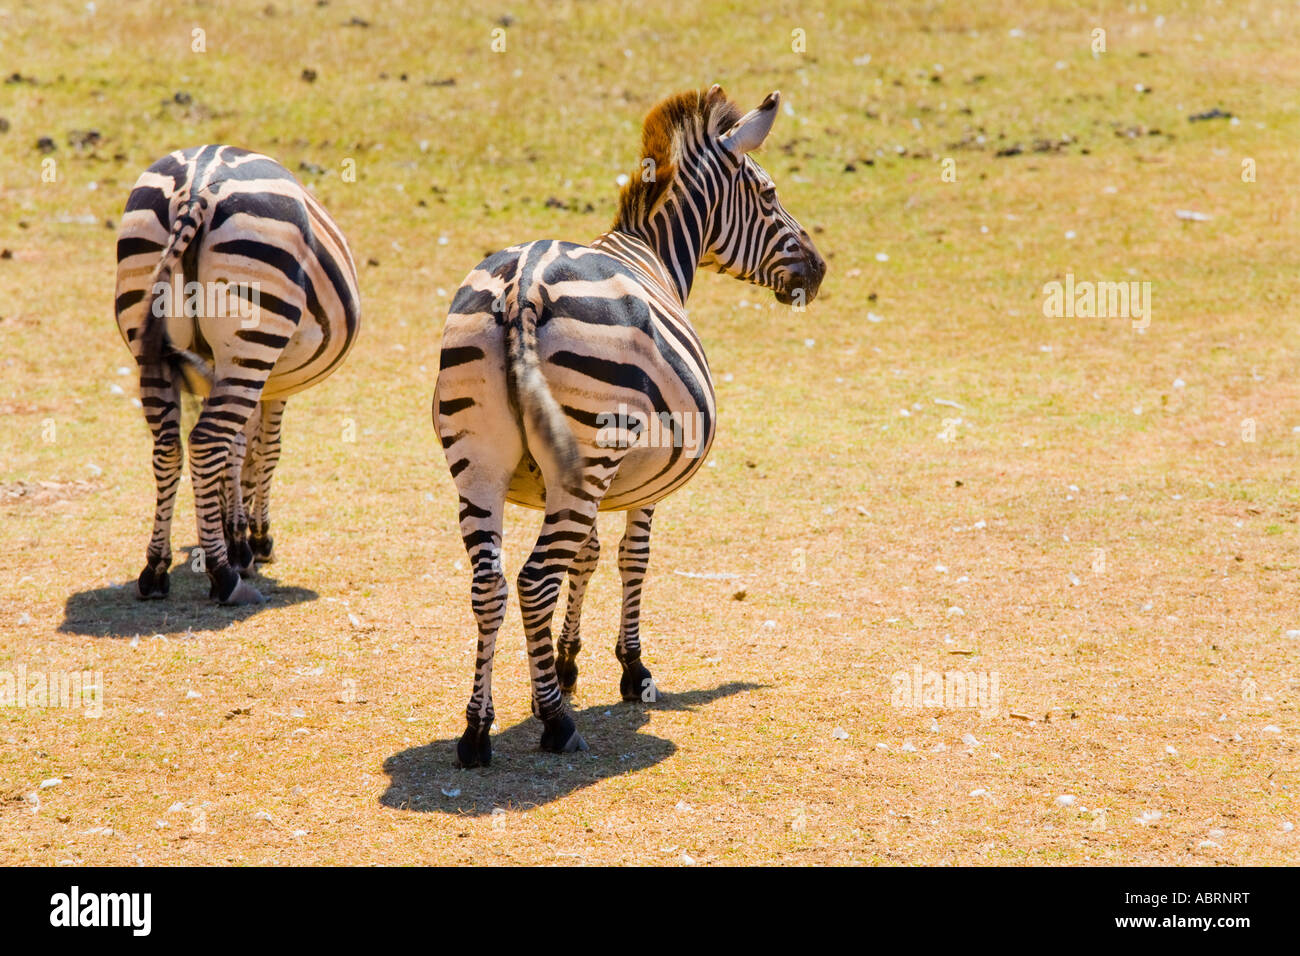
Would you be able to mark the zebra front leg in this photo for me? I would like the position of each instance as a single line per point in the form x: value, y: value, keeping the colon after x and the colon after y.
x: 259, y: 508
x: 566, y: 529
x: 234, y: 518
x: 160, y: 398
x: 566, y: 659
x: 633, y: 559
x: 211, y: 441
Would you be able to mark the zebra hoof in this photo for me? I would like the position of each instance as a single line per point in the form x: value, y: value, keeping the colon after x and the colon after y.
x: 241, y: 555
x: 561, y: 736
x: 474, y: 749
x: 230, y: 589
x: 152, y: 584
x: 263, y: 548
x: 636, y: 684
x: 244, y: 593
x: 566, y: 670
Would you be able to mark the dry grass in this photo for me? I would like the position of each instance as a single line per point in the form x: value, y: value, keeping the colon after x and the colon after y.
x: 1074, y: 438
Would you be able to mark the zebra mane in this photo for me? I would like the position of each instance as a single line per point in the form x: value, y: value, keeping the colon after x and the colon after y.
x: 672, y: 126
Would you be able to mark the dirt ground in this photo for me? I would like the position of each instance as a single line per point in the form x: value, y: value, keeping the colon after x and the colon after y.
x: 963, y: 581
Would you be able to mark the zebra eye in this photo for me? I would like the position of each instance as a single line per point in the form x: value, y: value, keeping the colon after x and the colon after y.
x: 768, y: 194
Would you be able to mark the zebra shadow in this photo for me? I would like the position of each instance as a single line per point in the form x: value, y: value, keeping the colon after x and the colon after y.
x: 115, y: 612
x: 425, y: 779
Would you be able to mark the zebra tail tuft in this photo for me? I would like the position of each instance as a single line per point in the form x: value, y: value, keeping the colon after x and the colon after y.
x: 543, y: 419
x: 155, y: 347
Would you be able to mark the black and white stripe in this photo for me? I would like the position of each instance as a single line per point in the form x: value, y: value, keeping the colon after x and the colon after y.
x: 548, y: 342
x: 277, y: 311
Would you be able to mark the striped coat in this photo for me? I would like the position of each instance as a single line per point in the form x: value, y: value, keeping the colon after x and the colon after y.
x: 571, y: 380
x: 235, y: 284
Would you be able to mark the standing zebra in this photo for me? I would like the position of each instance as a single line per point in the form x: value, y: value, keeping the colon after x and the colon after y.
x: 560, y: 361
x: 269, y: 307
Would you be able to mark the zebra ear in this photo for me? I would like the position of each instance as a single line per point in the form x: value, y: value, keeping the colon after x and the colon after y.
x: 749, y: 133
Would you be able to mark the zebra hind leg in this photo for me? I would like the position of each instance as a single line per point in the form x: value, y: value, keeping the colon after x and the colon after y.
x: 211, y: 446
x: 566, y: 528
x: 570, y: 642
x: 160, y: 398
x: 636, y: 683
x: 482, y: 510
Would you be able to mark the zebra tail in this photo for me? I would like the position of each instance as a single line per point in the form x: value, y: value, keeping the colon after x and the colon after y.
x: 155, y: 346
x: 543, y: 419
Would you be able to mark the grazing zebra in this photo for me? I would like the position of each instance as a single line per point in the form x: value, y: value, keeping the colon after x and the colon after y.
x: 572, y: 381
x: 268, y: 307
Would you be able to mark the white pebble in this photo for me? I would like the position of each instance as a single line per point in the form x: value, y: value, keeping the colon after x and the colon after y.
x: 450, y: 791
x: 1065, y: 800
x: 839, y: 733
x: 51, y: 782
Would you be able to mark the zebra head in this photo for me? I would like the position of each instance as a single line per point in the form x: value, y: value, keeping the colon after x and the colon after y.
x: 753, y: 236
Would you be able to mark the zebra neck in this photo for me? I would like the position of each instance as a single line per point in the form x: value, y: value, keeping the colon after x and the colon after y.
x: 669, y: 237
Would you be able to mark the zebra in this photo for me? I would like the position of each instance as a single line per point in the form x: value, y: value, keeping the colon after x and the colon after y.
x: 269, y: 307
x: 557, y: 361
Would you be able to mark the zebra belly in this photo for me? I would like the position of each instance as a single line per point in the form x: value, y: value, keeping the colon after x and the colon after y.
x: 645, y: 475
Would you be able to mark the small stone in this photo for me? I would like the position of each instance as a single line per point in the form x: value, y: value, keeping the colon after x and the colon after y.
x: 51, y: 782
x: 1065, y: 800
x: 839, y: 733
